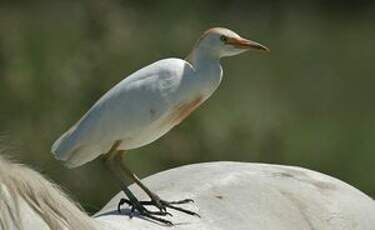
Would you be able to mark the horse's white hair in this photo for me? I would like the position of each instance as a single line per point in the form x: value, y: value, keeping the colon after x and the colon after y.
x: 20, y: 184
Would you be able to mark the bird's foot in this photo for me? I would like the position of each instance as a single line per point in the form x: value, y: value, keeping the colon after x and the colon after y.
x: 139, y: 206
x: 162, y: 205
x: 172, y: 205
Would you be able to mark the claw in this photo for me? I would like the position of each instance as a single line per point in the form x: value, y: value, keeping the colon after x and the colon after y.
x: 160, y: 204
x: 122, y: 202
x: 132, y: 209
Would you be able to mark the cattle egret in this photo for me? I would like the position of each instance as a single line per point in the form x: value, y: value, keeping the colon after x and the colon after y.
x: 146, y: 105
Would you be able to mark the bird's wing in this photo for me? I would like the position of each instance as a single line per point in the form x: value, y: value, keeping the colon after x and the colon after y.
x: 130, y: 106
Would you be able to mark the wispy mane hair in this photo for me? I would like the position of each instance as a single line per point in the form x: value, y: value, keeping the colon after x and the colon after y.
x: 19, y: 183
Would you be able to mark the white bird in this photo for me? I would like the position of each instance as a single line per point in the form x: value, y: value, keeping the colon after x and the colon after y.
x: 146, y: 105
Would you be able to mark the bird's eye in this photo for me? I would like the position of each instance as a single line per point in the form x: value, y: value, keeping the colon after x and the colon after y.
x: 223, y: 38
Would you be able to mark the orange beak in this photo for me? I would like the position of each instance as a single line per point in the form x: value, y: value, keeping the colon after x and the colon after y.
x: 242, y: 43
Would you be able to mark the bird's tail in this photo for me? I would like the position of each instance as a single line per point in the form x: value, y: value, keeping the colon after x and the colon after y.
x: 64, y: 146
x: 73, y: 155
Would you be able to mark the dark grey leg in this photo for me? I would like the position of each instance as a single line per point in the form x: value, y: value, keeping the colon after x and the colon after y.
x: 113, y: 164
x: 155, y: 199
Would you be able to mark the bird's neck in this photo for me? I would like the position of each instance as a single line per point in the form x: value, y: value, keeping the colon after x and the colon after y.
x: 208, y: 69
x: 201, y: 59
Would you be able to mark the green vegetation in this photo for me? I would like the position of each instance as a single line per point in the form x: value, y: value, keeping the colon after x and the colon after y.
x: 309, y: 103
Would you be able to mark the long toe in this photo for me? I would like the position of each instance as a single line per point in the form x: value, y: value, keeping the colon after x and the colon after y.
x: 171, y: 206
x: 186, y: 201
x: 157, y: 213
x: 140, y: 207
x: 158, y: 219
x: 163, y: 205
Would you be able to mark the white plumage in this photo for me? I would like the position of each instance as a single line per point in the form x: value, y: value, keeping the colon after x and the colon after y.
x: 147, y: 104
x: 137, y: 111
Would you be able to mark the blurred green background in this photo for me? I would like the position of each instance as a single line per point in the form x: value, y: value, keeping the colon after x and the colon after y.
x: 309, y: 103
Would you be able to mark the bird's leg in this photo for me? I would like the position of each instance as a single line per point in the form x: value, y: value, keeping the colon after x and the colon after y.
x: 112, y: 163
x: 155, y: 199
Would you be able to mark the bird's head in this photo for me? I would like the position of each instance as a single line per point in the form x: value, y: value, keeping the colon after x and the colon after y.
x: 223, y: 42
